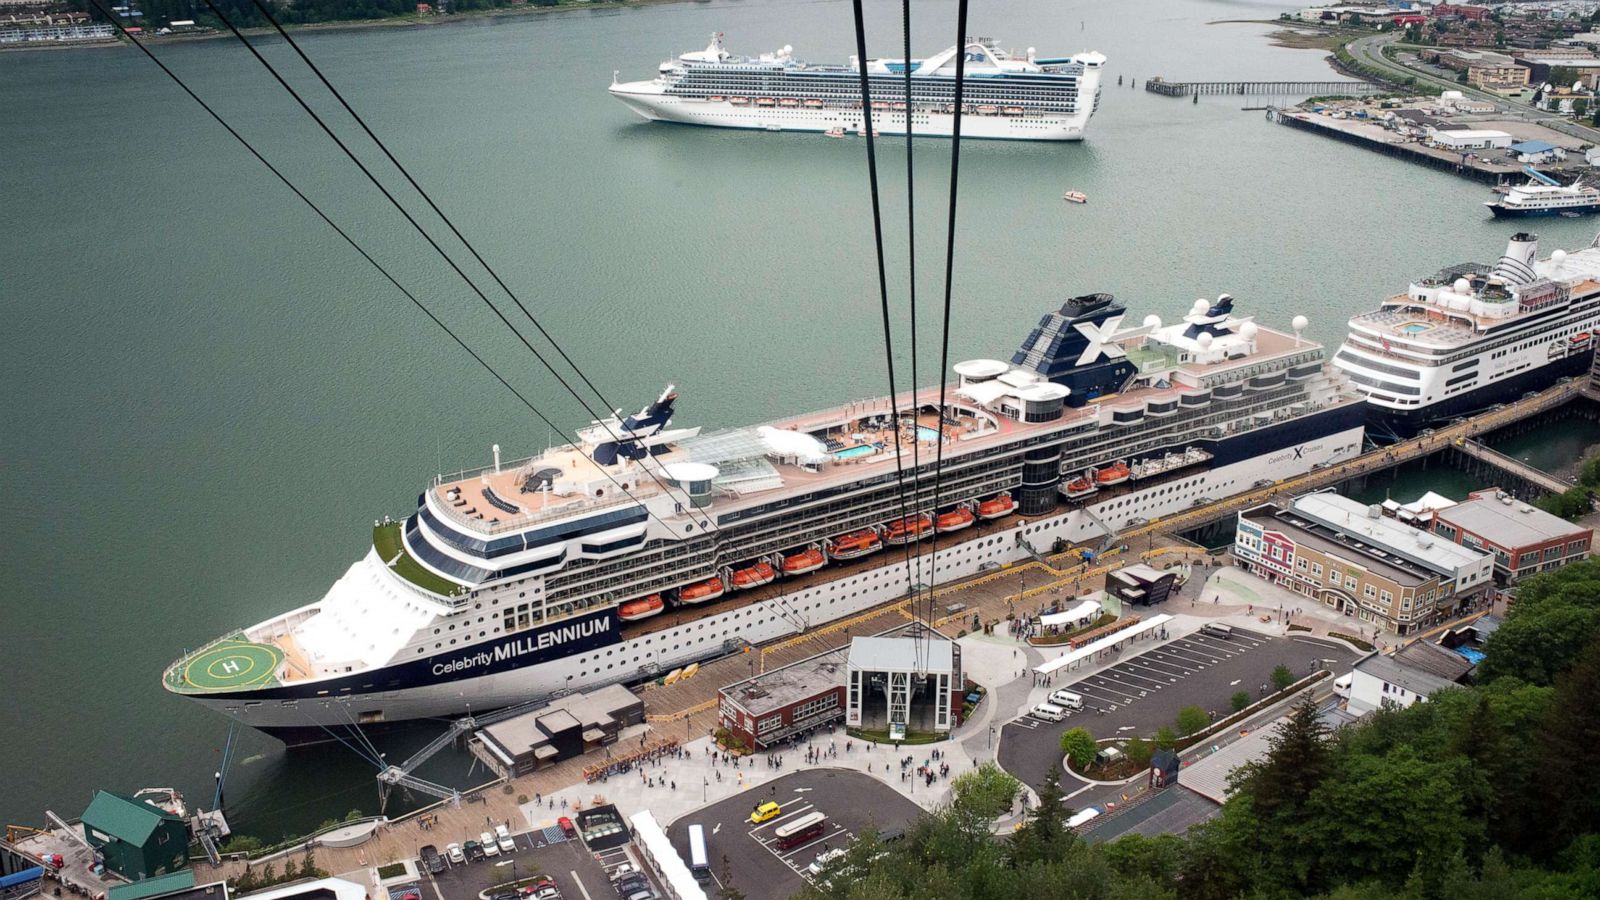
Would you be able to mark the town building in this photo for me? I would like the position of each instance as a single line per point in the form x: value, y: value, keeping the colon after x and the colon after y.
x: 568, y: 726
x: 1536, y: 152
x: 136, y: 839
x: 1469, y: 13
x: 767, y: 709
x: 178, y: 885
x: 1142, y: 585
x: 1410, y: 675
x: 905, y: 684
x: 1350, y: 557
x: 1470, y: 139
x: 1523, y: 539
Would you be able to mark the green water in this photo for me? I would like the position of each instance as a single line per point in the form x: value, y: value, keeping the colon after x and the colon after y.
x: 207, y: 400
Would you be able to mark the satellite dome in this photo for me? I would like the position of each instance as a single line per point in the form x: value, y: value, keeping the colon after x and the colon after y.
x: 1299, y: 323
x: 1461, y: 286
x: 1558, y: 256
x: 1204, y: 340
x: 1199, y: 307
x: 1248, y: 331
x: 1152, y: 321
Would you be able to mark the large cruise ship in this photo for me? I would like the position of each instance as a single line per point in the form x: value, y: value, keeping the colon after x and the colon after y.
x: 646, y: 546
x: 1003, y: 96
x: 1474, y: 335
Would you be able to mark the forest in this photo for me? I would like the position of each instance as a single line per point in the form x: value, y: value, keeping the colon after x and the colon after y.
x: 1490, y: 791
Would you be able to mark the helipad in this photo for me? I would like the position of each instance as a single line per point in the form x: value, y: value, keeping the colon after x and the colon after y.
x: 229, y: 665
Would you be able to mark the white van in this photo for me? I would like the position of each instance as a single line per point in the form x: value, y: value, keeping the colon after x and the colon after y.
x: 1217, y: 630
x: 1048, y: 712
x: 1083, y: 816
x: 1341, y: 685
x: 1067, y: 700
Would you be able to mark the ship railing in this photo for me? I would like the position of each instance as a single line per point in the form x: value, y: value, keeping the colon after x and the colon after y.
x: 528, y: 517
x: 174, y: 670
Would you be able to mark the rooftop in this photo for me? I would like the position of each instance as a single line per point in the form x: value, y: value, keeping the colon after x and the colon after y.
x: 1352, y: 518
x: 124, y: 818
x: 1416, y: 681
x: 1508, y: 521
x: 794, y: 683
x: 586, y: 710
x: 1426, y: 656
x: 903, y: 654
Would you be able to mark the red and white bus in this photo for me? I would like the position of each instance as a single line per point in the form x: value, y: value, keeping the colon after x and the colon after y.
x: 803, y: 830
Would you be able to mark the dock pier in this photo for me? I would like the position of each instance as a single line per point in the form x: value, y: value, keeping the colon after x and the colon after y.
x: 1159, y: 85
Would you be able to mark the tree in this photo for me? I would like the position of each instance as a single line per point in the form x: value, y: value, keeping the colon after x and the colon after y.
x: 1567, y: 752
x: 726, y: 891
x: 1239, y: 700
x: 1139, y: 751
x: 1044, y: 835
x: 986, y: 792
x: 1557, y: 614
x: 1282, y: 677
x: 1573, y: 503
x: 1272, y: 820
x: 1192, y: 719
x: 1079, y: 746
x: 1166, y: 738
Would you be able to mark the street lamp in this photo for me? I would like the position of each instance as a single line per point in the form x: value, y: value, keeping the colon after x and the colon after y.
x: 513, y: 864
x: 991, y: 737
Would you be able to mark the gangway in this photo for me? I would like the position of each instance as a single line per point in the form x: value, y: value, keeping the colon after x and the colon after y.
x: 1537, y: 175
x: 1103, y: 525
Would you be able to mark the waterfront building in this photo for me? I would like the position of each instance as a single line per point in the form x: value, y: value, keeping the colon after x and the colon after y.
x: 1141, y: 584
x: 905, y: 684
x: 1523, y: 539
x: 137, y: 839
x: 767, y: 709
x: 1470, y: 138
x: 566, y: 727
x: 1410, y: 675
x: 1351, y: 558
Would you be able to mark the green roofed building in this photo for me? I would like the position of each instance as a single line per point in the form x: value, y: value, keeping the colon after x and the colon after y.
x: 136, y: 839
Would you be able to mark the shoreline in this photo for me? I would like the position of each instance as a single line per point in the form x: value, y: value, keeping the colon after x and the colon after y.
x: 343, y: 25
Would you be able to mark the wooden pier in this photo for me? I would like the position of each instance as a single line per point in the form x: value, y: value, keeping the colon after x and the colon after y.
x: 1166, y: 88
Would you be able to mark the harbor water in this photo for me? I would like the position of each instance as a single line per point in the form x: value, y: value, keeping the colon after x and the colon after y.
x: 208, y: 399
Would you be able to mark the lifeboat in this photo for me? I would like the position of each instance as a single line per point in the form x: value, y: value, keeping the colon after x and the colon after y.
x: 904, y: 531
x: 1116, y: 473
x: 739, y: 101
x: 954, y: 520
x: 642, y: 608
x: 1078, y: 487
x: 1012, y: 110
x: 862, y: 132
x: 987, y: 110
x: 814, y: 103
x: 900, y: 105
x: 788, y: 101
x: 754, y: 576
x: 715, y: 98
x: 835, y: 132
x: 766, y: 101
x: 856, y: 544
x: 803, y: 562
x: 701, y: 591
x: 1075, y: 197
x: 880, y: 104
x: 996, y: 507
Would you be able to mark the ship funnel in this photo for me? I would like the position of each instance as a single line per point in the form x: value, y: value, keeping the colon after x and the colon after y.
x: 1516, y: 266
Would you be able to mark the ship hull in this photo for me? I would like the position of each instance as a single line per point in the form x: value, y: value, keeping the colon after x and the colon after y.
x: 1511, y: 212
x: 647, y: 99
x: 534, y: 665
x: 1386, y: 422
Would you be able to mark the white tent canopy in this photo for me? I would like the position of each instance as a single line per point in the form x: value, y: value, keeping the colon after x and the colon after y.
x: 1087, y: 651
x: 1086, y: 609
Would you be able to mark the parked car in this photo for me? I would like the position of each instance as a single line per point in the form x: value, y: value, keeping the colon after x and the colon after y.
x: 765, y: 812
x: 431, y: 860
x: 629, y: 886
x: 474, y: 851
x: 455, y: 853
x: 502, y: 836
x: 490, y: 848
x: 543, y: 888
x: 822, y: 860
x: 567, y: 828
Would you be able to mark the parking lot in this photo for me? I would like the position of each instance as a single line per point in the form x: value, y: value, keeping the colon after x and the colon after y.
x: 547, y: 852
x: 760, y: 868
x: 1137, y: 696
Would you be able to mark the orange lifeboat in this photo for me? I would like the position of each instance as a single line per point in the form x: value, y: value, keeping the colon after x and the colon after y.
x: 715, y: 98
x: 788, y: 101
x: 739, y: 101
x: 1078, y: 487
x: 805, y: 561
x: 642, y: 608
x: 856, y: 544
x: 766, y: 101
x: 702, y: 591
x: 1116, y: 473
x: 813, y: 103
x: 904, y: 531
x: 955, y: 520
x: 754, y: 576
x: 996, y: 507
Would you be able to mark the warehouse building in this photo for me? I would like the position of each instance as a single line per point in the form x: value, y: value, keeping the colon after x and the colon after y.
x: 567, y: 727
x: 1523, y: 539
x: 135, y: 839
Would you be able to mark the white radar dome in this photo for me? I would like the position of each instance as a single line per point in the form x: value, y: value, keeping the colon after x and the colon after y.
x: 1558, y: 256
x: 1199, y: 307
x: 1248, y: 331
x: 1299, y: 323
x: 1152, y: 321
x: 1204, y: 340
x: 1461, y: 286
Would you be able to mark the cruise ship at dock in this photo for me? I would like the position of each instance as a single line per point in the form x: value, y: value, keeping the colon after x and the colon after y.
x: 1474, y: 335
x: 646, y: 546
x: 1003, y: 96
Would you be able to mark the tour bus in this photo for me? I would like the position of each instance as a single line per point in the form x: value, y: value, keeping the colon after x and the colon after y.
x: 803, y: 830
x: 698, y: 865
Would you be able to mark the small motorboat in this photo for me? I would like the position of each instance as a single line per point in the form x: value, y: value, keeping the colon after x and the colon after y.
x: 1075, y: 197
x: 1116, y: 473
x: 1078, y: 487
x: 955, y: 520
x: 862, y: 132
x: 808, y: 560
x: 701, y: 591
x: 996, y: 507
x: 834, y: 132
x: 754, y: 576
x: 642, y: 608
x: 856, y: 544
x: 904, y: 531
x: 988, y: 110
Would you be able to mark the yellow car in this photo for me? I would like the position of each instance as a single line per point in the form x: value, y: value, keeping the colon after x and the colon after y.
x: 765, y: 812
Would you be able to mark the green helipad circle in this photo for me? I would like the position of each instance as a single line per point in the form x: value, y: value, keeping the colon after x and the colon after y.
x: 232, y: 664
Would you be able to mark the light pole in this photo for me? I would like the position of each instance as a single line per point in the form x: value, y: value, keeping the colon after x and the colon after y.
x: 991, y: 737
x: 513, y: 864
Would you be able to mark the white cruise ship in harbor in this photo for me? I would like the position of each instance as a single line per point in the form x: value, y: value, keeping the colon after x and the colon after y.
x: 1474, y: 335
x: 1004, y: 96
x: 1546, y: 199
x: 525, y: 580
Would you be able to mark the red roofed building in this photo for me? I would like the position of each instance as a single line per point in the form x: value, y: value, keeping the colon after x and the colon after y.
x: 1465, y: 12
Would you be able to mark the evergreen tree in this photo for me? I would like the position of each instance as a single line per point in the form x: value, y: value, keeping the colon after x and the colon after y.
x: 1568, y: 754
